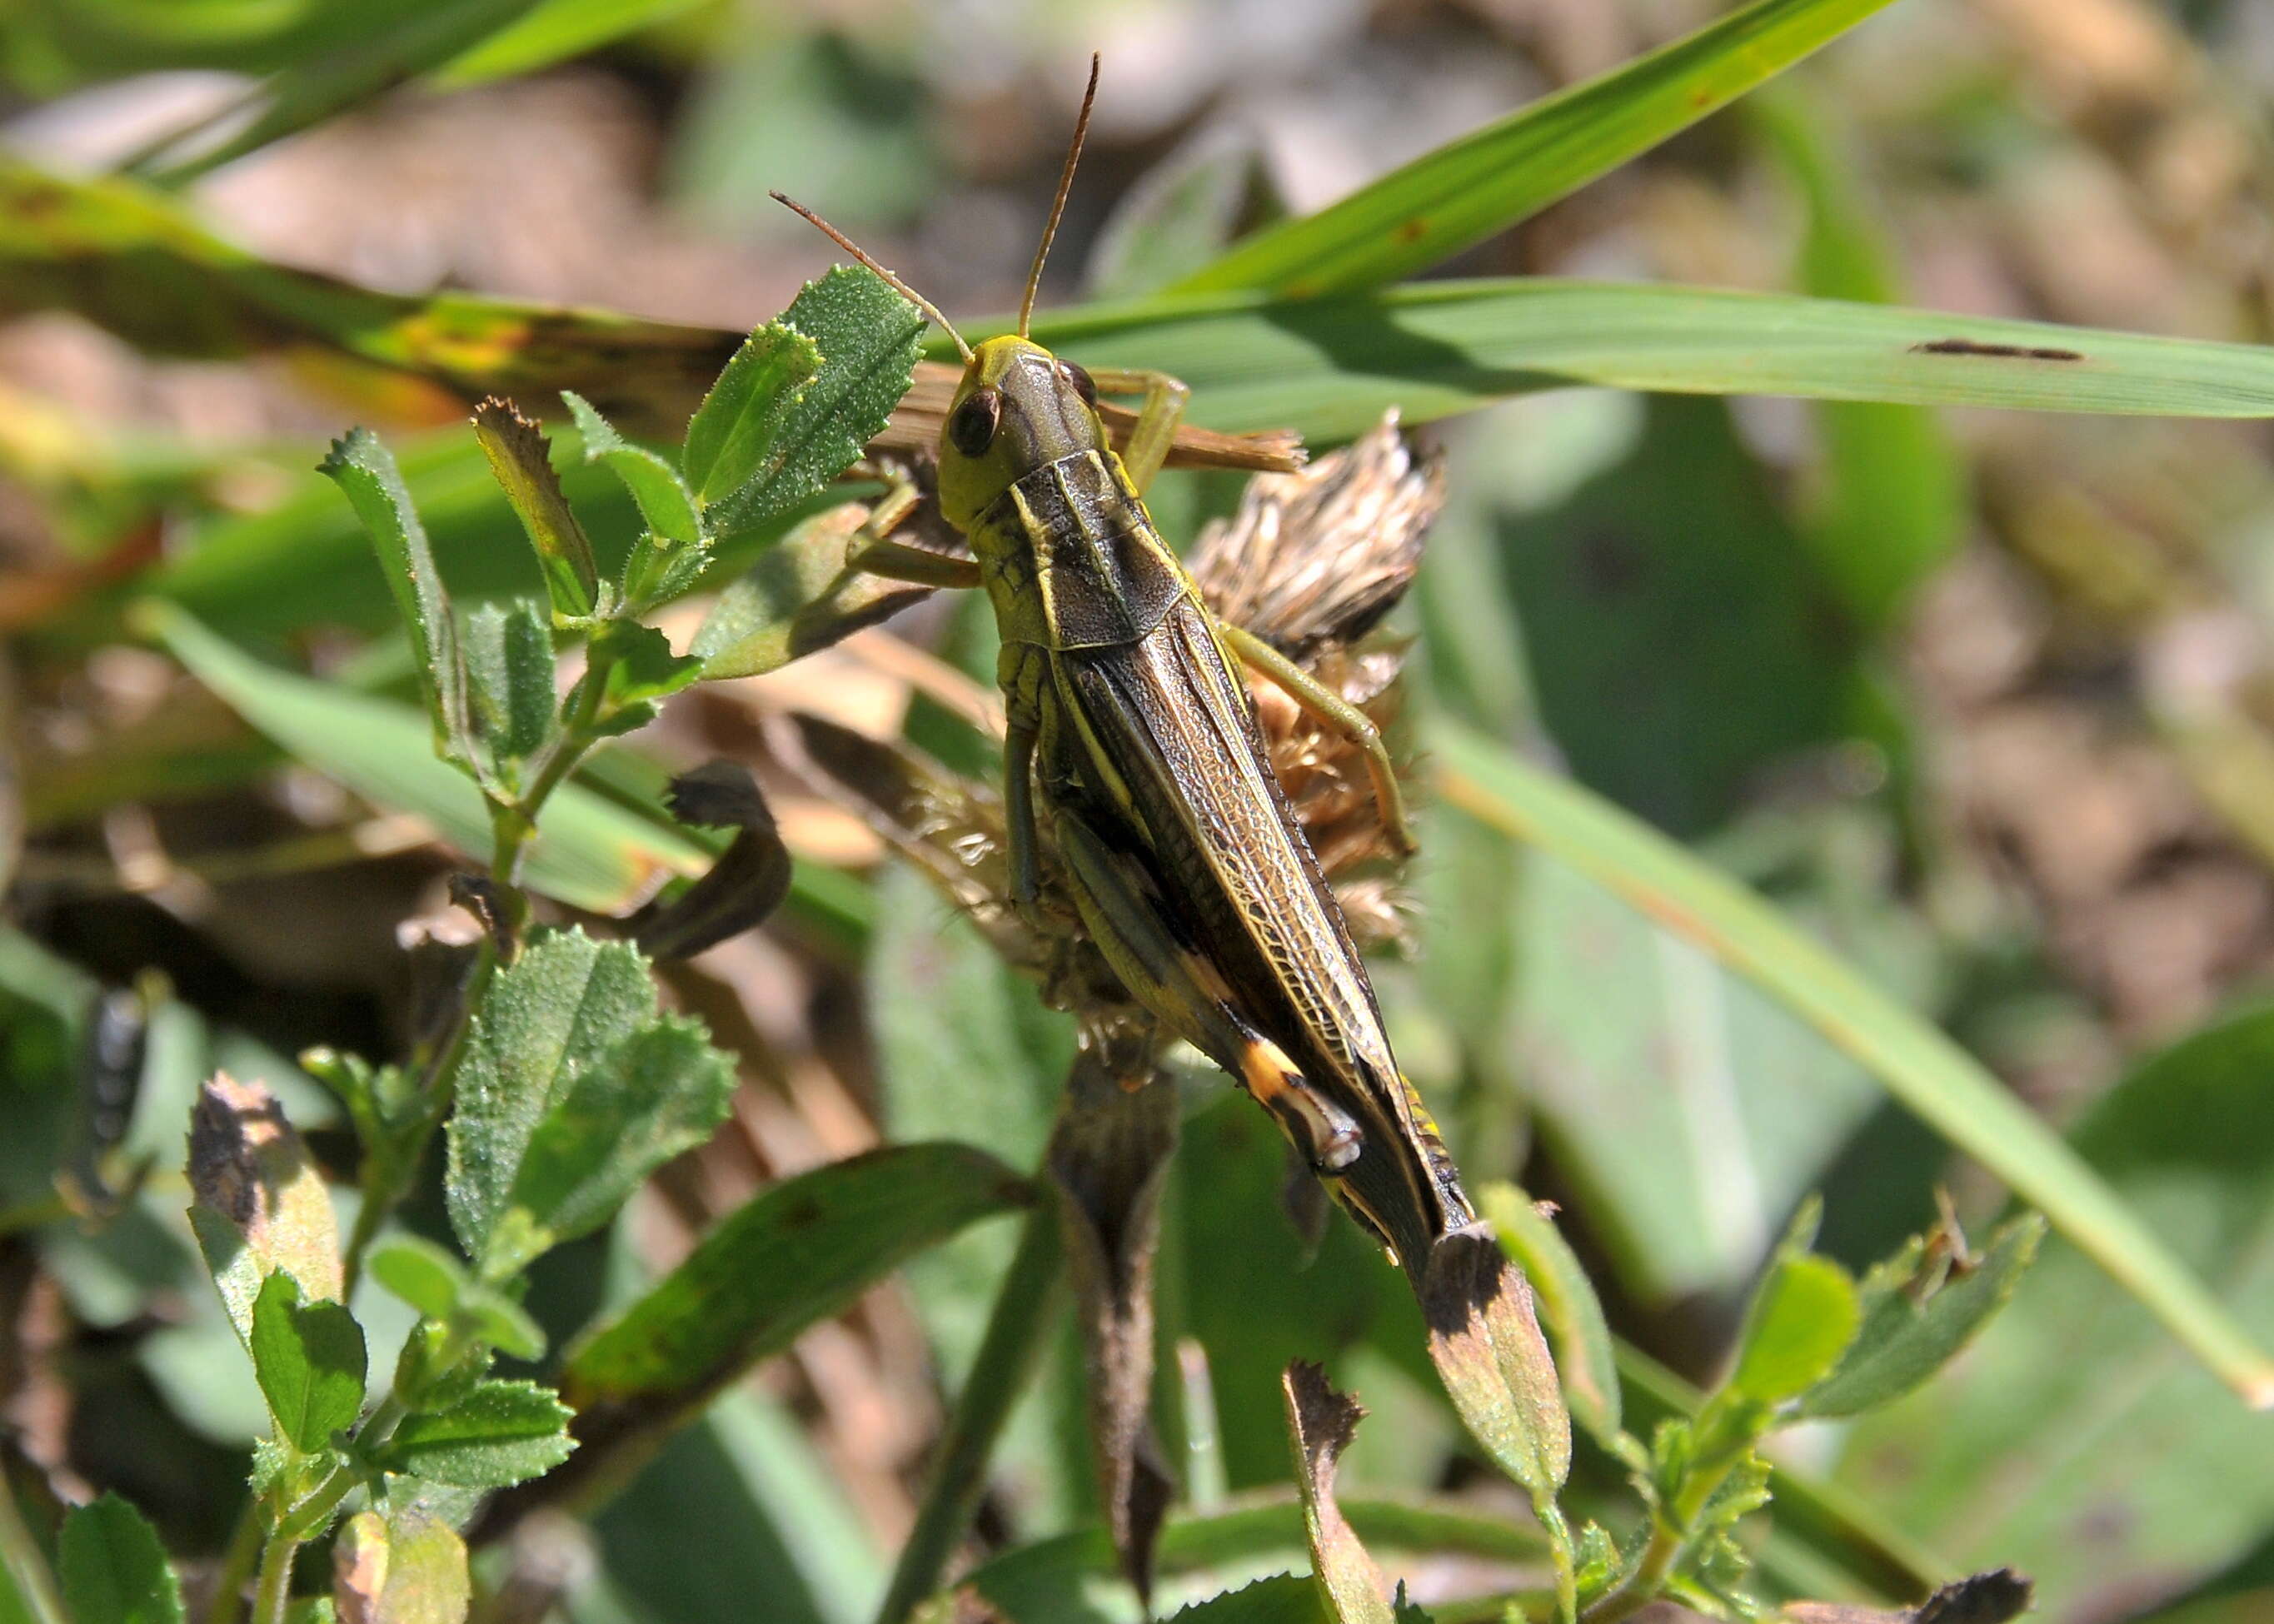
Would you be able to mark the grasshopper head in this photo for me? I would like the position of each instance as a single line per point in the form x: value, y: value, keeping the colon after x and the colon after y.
x: 1018, y: 408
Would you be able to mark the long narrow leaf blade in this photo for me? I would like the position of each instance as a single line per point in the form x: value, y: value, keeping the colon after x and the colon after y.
x: 1329, y: 366
x: 1486, y: 181
x: 1326, y: 368
x: 131, y: 260
x: 794, y: 1253
x: 331, y: 81
x: 591, y: 854
x: 798, y: 1252
x: 1939, y: 1082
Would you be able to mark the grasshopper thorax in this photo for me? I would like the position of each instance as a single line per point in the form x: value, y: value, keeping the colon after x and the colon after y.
x: 1018, y: 408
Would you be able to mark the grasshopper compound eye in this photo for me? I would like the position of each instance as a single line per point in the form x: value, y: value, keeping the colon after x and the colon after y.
x: 1080, y: 381
x: 972, y: 429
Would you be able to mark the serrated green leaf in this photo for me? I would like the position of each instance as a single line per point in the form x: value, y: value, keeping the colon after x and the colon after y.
x: 1586, y: 1359
x: 1491, y: 178
x: 1803, y: 1317
x: 1288, y: 1598
x: 748, y: 409
x: 762, y: 451
x: 401, y: 1566
x: 502, y: 1433
x: 543, y: 1020
x: 1904, y: 1338
x: 571, y: 1091
x: 310, y: 1362
x: 365, y: 469
x: 521, y: 459
x: 660, y: 1091
x: 665, y: 501
x: 509, y: 680
x: 112, y: 1568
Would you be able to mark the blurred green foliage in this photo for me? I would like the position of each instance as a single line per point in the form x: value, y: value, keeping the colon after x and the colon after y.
x: 1660, y: 982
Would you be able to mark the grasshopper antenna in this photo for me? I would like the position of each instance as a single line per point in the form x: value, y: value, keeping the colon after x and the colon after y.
x: 1057, y: 204
x: 867, y: 259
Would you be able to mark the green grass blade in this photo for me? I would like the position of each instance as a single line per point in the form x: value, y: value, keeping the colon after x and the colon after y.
x: 552, y: 30
x: 1487, y: 180
x: 1017, y: 1332
x: 328, y: 82
x: 739, y: 1503
x: 1325, y: 367
x: 1068, y: 1578
x: 1329, y: 366
x: 1919, y: 1064
x: 129, y: 258
x: 591, y: 853
x: 1890, y: 501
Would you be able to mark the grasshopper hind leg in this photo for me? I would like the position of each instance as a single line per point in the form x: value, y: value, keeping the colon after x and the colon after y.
x: 1129, y: 926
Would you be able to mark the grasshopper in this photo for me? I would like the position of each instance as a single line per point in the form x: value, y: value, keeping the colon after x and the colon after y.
x: 1130, y: 729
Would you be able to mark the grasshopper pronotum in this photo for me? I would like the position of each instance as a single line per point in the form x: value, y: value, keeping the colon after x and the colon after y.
x: 1131, y: 731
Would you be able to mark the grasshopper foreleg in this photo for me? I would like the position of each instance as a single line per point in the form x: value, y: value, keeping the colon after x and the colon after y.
x: 874, y: 551
x: 1020, y: 670
x: 1156, y: 419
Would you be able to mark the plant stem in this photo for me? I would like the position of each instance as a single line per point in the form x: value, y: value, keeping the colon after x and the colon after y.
x: 1669, y: 1533
x: 34, y: 1214
x: 370, y: 1212
x: 1558, y: 1554
x: 436, y: 1086
x: 21, y: 1561
x: 272, y: 1598
x: 1643, y: 1586
x: 1007, y: 1356
x: 237, y: 1563
x: 577, y: 737
x: 512, y: 824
